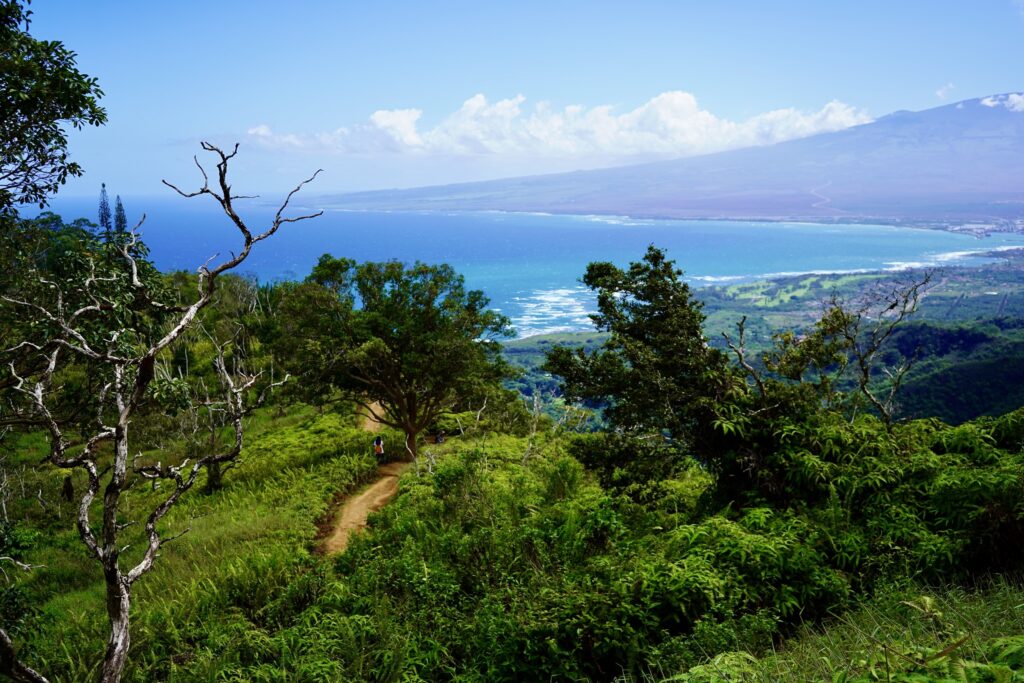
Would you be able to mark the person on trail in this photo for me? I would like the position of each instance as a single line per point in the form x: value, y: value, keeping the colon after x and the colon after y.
x: 378, y: 448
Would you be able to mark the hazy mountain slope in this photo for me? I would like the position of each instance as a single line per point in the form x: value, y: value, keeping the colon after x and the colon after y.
x: 957, y: 162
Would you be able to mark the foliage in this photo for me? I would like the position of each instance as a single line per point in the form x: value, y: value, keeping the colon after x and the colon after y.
x: 46, y: 263
x: 407, y: 343
x: 247, y: 545
x: 495, y: 568
x: 15, y: 607
x: 904, y: 633
x: 41, y: 91
x: 655, y: 369
x: 517, y: 552
x: 105, y: 316
x: 528, y: 356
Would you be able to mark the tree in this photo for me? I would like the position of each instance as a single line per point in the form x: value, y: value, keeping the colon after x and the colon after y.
x: 120, y: 218
x: 108, y: 316
x: 306, y: 335
x: 850, y: 340
x: 403, y: 343
x: 656, y: 370
x: 806, y: 382
x: 104, y: 210
x: 41, y: 91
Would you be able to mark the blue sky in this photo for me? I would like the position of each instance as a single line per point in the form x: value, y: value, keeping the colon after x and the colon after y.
x: 397, y: 94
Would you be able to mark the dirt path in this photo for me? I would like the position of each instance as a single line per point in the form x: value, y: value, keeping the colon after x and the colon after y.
x: 353, y: 514
x: 369, y: 424
x: 356, y: 508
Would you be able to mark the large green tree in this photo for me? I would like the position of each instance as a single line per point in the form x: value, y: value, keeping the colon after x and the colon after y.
x: 405, y: 343
x: 656, y: 371
x: 41, y: 93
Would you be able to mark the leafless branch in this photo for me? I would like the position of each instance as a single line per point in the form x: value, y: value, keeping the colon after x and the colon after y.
x: 11, y: 666
x: 739, y: 350
x: 127, y: 376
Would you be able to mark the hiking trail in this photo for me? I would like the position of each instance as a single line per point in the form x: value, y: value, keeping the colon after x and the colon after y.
x: 351, y: 517
x: 368, y: 424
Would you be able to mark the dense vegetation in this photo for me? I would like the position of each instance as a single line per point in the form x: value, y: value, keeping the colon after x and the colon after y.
x: 706, y: 525
x: 965, y: 338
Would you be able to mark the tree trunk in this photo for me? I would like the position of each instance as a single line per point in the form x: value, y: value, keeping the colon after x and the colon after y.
x: 411, y: 450
x: 118, y: 604
x: 214, y: 477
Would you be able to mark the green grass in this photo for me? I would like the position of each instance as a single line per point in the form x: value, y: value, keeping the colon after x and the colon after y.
x: 882, y: 634
x: 490, y: 554
x: 250, y: 539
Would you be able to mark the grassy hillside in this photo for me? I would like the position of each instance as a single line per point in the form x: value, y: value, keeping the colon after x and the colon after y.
x: 909, y: 633
x: 773, y: 525
x: 245, y: 546
x: 518, y: 559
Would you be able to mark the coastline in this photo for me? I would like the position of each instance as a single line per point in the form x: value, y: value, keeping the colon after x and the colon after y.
x: 979, y: 228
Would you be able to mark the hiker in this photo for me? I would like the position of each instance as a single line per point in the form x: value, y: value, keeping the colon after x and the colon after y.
x: 440, y: 437
x: 378, y: 448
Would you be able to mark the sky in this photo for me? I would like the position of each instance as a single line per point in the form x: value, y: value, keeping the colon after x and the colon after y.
x: 390, y: 94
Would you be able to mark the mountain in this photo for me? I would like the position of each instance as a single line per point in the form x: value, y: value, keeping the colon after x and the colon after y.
x: 959, y: 162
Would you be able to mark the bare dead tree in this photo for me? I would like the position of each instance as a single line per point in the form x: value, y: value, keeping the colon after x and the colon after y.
x: 11, y: 666
x: 867, y: 327
x: 129, y: 359
x: 739, y: 350
x: 228, y: 410
x: 571, y: 418
x: 5, y: 489
x: 23, y: 566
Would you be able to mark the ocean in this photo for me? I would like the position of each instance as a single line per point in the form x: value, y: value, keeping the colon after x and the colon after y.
x: 530, y: 264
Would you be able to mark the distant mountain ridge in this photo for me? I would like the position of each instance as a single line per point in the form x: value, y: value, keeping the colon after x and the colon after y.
x: 959, y: 162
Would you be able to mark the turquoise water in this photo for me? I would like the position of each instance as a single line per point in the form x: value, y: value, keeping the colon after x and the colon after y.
x: 530, y: 265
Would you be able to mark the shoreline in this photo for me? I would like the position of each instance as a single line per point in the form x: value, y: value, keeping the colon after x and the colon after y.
x: 979, y: 228
x: 1005, y: 253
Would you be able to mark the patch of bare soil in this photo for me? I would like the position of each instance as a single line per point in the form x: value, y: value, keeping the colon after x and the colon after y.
x: 369, y: 424
x: 352, y: 516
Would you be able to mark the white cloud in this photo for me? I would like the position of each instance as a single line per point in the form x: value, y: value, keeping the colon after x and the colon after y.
x: 670, y: 124
x: 943, y: 92
x: 400, y: 124
x: 1014, y: 101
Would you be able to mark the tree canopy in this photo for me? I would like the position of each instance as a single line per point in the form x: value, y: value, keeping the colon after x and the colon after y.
x: 656, y: 371
x: 405, y: 342
x: 41, y: 92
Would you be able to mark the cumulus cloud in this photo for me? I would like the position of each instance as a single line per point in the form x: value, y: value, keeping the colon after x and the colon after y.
x: 670, y: 124
x: 1013, y: 101
x: 943, y: 92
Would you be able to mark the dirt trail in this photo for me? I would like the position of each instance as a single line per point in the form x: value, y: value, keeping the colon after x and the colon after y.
x: 353, y: 514
x: 356, y: 508
x: 369, y: 424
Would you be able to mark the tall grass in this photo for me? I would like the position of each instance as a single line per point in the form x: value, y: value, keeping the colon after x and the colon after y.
x: 907, y: 633
x: 245, y: 548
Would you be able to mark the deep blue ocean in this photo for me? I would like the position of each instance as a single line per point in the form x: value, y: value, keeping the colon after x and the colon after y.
x: 529, y: 265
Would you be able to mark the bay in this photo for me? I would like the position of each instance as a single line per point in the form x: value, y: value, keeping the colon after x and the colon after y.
x: 530, y: 264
